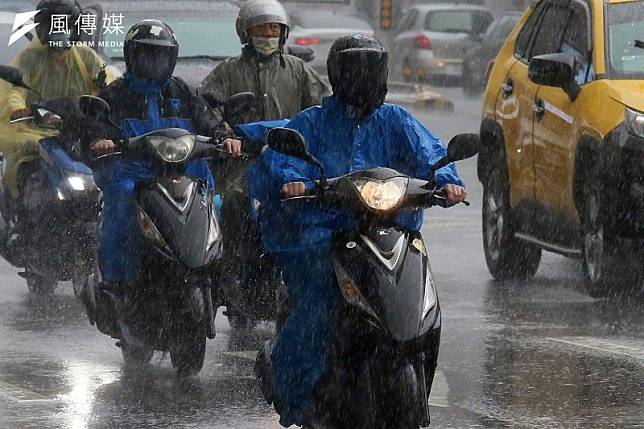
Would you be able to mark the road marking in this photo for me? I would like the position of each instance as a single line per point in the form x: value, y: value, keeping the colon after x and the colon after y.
x: 19, y: 394
x: 631, y: 350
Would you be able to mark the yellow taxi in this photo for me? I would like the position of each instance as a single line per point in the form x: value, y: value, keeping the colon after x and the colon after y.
x: 562, y: 160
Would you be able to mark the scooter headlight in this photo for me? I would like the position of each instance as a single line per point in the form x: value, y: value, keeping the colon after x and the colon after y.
x: 150, y: 231
x: 173, y: 150
x: 382, y: 195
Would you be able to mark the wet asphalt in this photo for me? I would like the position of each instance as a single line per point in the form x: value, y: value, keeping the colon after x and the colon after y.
x: 534, y: 354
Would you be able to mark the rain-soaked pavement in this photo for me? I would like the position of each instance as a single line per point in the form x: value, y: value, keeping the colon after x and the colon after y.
x: 538, y: 354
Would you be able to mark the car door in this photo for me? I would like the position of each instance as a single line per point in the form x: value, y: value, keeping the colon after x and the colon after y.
x: 555, y: 121
x: 514, y: 112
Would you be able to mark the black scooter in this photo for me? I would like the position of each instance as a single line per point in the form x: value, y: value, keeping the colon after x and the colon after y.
x: 384, y: 356
x: 177, y: 217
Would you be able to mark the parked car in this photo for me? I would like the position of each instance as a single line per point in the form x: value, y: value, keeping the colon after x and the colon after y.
x: 205, y: 32
x: 432, y: 39
x: 478, y: 60
x: 318, y: 29
x: 562, y: 139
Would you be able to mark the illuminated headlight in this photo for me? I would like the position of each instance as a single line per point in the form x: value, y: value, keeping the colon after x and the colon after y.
x: 429, y: 302
x: 382, y: 195
x: 173, y: 150
x: 635, y: 122
x: 77, y: 183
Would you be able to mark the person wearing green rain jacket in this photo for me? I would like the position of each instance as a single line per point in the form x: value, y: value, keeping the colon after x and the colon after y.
x: 284, y: 85
x: 65, y: 70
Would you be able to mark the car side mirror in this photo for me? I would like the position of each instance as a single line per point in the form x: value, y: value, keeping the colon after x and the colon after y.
x: 95, y: 108
x: 291, y: 143
x: 13, y: 76
x: 463, y: 146
x: 304, y: 53
x: 555, y: 70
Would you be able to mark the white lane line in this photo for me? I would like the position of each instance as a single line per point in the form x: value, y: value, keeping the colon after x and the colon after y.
x: 19, y: 394
x: 633, y: 351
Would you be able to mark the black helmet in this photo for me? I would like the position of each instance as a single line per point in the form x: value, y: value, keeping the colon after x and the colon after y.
x: 151, y: 50
x: 47, y: 8
x: 357, y: 67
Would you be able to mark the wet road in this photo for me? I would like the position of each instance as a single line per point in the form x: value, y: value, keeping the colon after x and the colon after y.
x: 538, y: 354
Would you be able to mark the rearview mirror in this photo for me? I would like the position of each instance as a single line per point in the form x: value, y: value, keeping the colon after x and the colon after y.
x: 94, y: 107
x: 304, y: 53
x: 13, y: 76
x: 555, y: 70
x: 463, y: 146
x: 236, y: 105
x: 290, y: 142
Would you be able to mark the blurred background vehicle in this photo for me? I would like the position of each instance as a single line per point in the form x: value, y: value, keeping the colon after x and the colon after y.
x: 478, y: 59
x: 205, y: 31
x: 432, y: 39
x: 318, y: 29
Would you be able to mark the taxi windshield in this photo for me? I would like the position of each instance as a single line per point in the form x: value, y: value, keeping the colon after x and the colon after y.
x: 625, y: 26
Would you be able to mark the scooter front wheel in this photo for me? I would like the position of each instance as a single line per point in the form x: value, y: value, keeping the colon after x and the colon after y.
x: 189, y: 351
x: 41, y: 286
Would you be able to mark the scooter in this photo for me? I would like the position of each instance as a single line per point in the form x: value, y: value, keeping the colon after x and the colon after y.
x: 384, y: 357
x: 177, y: 218
x: 50, y: 230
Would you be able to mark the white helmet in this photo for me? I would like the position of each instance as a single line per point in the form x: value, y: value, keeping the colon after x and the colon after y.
x: 256, y: 12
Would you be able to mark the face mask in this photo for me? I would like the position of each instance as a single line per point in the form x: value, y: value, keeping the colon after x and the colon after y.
x: 266, y: 45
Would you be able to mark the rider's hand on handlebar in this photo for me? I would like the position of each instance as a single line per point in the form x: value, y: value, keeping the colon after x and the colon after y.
x: 455, y: 194
x: 293, y: 189
x: 103, y: 147
x: 233, y: 147
x: 20, y: 113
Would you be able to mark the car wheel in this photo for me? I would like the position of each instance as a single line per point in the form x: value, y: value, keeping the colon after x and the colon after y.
x: 598, y: 268
x: 506, y: 256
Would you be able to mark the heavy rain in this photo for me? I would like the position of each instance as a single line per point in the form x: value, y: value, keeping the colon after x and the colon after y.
x: 333, y: 214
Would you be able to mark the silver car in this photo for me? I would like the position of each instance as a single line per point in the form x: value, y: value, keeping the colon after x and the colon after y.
x: 318, y: 29
x: 432, y: 39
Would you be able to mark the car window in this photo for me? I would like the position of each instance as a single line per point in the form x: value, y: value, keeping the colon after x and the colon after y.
x: 324, y: 19
x: 576, y: 42
x: 625, y: 25
x: 458, y: 21
x: 525, y: 35
x: 550, y: 29
x: 197, y: 35
x: 501, y: 29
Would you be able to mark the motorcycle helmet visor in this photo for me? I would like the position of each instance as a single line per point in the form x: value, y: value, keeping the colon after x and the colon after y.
x: 153, y: 61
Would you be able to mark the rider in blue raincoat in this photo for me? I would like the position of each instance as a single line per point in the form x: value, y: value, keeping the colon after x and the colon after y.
x: 147, y: 98
x: 352, y: 130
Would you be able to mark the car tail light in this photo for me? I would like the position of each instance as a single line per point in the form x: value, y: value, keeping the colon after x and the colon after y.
x: 422, y: 42
x: 306, y: 41
x: 488, y: 71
